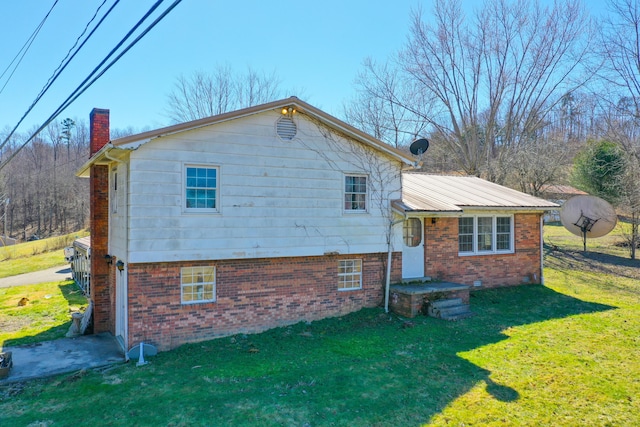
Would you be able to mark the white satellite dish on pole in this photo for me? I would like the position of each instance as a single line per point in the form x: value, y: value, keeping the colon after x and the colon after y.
x: 588, y: 217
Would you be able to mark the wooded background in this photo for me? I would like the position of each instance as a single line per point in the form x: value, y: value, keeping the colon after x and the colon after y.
x: 513, y: 92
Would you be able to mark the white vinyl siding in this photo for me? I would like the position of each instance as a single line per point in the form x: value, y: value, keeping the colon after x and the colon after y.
x: 274, y: 198
x: 349, y: 274
x: 117, y: 211
x: 479, y: 235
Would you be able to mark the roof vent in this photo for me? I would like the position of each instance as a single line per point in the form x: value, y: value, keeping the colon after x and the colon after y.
x: 286, y: 128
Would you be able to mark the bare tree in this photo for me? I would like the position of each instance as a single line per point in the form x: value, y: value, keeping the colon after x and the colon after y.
x: 619, y: 47
x: 378, y: 109
x: 46, y: 196
x: 204, y: 94
x: 485, y: 85
x: 539, y: 163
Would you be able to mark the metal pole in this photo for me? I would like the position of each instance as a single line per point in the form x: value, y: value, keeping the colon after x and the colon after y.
x: 6, y: 206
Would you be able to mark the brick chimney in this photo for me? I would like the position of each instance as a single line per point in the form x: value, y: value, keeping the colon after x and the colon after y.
x: 98, y: 129
x: 102, y: 287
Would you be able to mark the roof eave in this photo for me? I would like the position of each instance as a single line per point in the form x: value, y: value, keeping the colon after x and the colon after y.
x: 301, y: 106
x: 521, y: 209
x: 101, y: 157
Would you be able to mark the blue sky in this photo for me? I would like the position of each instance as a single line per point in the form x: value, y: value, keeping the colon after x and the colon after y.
x: 316, y: 48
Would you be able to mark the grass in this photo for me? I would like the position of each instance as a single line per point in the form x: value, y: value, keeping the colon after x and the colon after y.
x: 555, y: 234
x: 563, y: 354
x: 37, y: 255
x: 45, y: 316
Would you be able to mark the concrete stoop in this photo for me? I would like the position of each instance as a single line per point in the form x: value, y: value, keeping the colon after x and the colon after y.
x: 449, y: 309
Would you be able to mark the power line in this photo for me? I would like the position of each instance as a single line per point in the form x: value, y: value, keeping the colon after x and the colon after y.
x: 61, y: 67
x: 63, y: 64
x: 25, y: 47
x: 86, y: 83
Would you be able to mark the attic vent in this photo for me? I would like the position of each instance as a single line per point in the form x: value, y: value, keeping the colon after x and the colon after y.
x: 286, y: 128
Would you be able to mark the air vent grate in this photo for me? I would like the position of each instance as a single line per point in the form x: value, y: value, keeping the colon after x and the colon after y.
x: 286, y: 128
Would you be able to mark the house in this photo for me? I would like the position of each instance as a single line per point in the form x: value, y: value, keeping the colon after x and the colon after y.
x: 280, y: 213
x: 559, y: 194
x: 463, y: 232
x: 474, y: 232
x: 240, y: 222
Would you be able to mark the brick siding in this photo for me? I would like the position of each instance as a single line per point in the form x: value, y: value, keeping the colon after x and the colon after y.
x: 102, y: 287
x: 99, y: 132
x: 252, y: 295
x: 414, y: 304
x: 442, y: 261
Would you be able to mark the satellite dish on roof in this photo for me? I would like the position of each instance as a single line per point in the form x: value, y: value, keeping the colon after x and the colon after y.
x: 419, y: 146
x: 588, y: 217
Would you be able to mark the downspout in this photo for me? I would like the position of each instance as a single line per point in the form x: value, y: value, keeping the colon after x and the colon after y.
x: 388, y: 279
x: 542, y: 249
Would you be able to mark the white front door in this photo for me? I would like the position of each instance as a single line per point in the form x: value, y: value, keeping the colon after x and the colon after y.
x: 412, y: 249
x: 121, y: 308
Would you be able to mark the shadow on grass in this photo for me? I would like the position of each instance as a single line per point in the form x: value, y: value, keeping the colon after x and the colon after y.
x: 591, y: 261
x: 73, y: 297
x: 366, y: 368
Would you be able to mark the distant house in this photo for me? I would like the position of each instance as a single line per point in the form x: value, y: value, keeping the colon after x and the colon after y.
x: 7, y: 241
x: 558, y: 194
x: 279, y: 213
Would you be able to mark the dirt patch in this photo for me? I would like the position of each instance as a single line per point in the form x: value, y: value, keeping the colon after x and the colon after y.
x: 596, y: 262
x: 13, y: 323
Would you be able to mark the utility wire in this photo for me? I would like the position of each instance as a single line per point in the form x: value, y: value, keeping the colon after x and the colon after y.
x: 25, y: 47
x: 64, y: 61
x: 84, y: 85
x: 63, y: 64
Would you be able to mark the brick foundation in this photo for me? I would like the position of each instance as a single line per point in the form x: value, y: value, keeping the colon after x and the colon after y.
x: 442, y: 261
x: 252, y: 295
x: 411, y: 302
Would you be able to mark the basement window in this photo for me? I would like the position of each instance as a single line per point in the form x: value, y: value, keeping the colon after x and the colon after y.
x: 198, y: 284
x: 349, y: 274
x: 481, y: 235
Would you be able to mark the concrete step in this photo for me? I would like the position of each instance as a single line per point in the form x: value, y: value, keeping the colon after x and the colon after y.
x: 449, y: 309
x: 444, y: 303
x: 459, y: 316
x: 414, y: 280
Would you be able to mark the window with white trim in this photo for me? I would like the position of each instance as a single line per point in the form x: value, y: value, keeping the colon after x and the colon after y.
x: 482, y: 234
x: 349, y: 274
x: 355, y: 193
x: 198, y: 284
x: 201, y: 188
x: 114, y: 190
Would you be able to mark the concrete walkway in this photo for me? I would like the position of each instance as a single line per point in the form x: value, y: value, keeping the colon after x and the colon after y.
x: 54, y: 274
x: 62, y: 356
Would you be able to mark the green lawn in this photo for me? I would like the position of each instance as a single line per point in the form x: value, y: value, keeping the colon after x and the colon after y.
x: 34, y: 256
x: 46, y: 314
x: 563, y: 354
